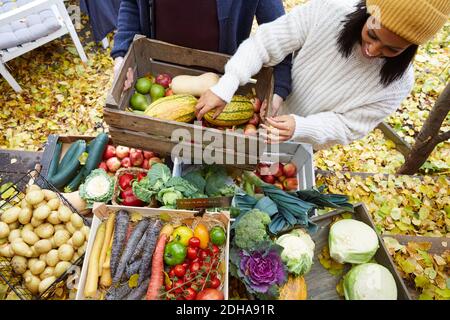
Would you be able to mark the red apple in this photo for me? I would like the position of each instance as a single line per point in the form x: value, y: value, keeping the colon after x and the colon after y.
x: 269, y: 179
x: 113, y: 164
x: 164, y: 79
x: 291, y: 184
x: 154, y: 160
x: 137, y: 158
x: 126, y: 162
x: 148, y: 154
x: 279, y: 185
x: 263, y: 169
x: 103, y: 166
x: 276, y: 169
x: 122, y: 152
x: 250, y: 130
x: 282, y: 178
x: 289, y: 170
x: 256, y: 104
x: 110, y: 152
x: 255, y: 120
x: 146, y: 164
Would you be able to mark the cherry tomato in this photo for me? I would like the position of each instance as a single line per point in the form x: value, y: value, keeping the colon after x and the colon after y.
x: 203, y: 254
x: 192, y: 252
x: 172, y: 273
x: 214, y: 283
x: 179, y: 270
x: 195, y: 266
x: 185, y: 265
x: 190, y: 294
x: 194, y: 242
x: 215, y: 250
x: 180, y: 298
x: 179, y: 286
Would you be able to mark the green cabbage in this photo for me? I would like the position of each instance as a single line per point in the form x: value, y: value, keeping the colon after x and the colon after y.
x: 298, y: 251
x: 352, y: 241
x: 98, y: 187
x: 369, y: 281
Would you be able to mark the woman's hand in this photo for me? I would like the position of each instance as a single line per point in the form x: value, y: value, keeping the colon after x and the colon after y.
x: 207, y: 102
x: 277, y: 103
x: 279, y: 129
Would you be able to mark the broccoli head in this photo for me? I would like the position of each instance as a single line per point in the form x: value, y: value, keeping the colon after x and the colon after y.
x: 251, y: 229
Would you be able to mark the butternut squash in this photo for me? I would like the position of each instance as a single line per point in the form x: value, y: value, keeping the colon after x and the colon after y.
x: 194, y: 85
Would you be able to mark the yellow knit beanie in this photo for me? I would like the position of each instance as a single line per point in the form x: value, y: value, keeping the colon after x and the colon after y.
x: 414, y: 20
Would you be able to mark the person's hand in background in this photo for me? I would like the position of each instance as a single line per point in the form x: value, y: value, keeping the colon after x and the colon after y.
x: 130, y: 75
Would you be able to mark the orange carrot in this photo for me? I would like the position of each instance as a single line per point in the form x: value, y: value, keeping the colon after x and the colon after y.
x: 157, y: 277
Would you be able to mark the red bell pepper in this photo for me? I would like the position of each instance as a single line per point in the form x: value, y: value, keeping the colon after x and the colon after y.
x: 125, y: 181
x: 141, y: 175
x: 129, y: 199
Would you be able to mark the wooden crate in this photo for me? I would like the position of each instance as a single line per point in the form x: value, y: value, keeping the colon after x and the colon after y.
x: 151, y: 56
x: 321, y: 283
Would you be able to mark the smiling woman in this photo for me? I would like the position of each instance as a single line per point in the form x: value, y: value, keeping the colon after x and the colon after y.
x: 350, y: 72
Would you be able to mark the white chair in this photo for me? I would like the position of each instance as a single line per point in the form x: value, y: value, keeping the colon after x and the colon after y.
x: 9, y: 19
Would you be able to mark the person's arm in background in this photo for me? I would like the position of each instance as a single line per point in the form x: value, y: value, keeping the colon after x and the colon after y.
x: 127, y: 27
x: 268, y: 11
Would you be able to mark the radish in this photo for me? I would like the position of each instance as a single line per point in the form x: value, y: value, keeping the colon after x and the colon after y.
x: 113, y: 164
x: 122, y: 152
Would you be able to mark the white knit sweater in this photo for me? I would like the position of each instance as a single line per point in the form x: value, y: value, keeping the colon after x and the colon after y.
x: 335, y: 100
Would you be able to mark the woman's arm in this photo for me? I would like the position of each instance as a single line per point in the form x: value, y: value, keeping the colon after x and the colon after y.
x: 271, y: 43
x: 127, y: 27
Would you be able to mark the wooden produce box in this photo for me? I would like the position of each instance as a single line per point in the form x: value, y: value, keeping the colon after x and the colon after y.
x: 102, y: 211
x: 128, y: 128
x: 321, y: 283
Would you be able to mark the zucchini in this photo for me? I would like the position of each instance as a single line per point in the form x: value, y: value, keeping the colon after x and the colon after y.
x: 75, y: 183
x: 95, y: 150
x: 69, y: 154
x: 69, y: 171
x: 55, y: 160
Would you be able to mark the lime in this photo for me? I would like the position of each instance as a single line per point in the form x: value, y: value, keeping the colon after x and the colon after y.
x: 217, y: 236
x: 157, y: 91
x: 138, y: 102
x: 143, y: 85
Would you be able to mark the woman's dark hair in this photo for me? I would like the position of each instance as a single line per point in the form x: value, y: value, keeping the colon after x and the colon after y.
x: 350, y: 35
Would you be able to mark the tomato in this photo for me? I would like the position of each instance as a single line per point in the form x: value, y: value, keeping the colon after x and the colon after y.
x: 185, y: 265
x: 179, y: 270
x: 190, y: 294
x: 182, y: 235
x: 174, y: 253
x: 195, y: 266
x: 210, y: 294
x: 201, y: 232
x: 203, y: 254
x: 179, y: 286
x: 172, y: 273
x: 194, y: 242
x: 215, y: 250
x: 192, y: 253
x: 214, y: 283
x: 217, y: 235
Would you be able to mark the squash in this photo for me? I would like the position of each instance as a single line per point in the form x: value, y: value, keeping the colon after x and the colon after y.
x: 180, y: 108
x: 194, y: 85
x: 239, y: 111
x: 294, y: 289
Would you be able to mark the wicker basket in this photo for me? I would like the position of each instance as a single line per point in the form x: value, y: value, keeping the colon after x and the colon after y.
x: 119, y: 173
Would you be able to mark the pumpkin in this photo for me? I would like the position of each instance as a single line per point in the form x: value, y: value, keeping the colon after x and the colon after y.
x: 180, y: 108
x: 239, y: 111
x: 294, y: 289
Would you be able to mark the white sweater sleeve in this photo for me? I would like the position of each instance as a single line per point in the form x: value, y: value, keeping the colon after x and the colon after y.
x: 271, y: 43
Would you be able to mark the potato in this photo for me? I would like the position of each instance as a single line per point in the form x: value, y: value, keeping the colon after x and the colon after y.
x: 10, y: 215
x: 32, y: 283
x: 28, y: 227
x: 6, y: 251
x: 25, y: 215
x: 53, y: 204
x: 33, y: 187
x: 45, y: 230
x: 64, y: 213
x: 35, y: 254
x: 53, y: 218
x: 52, y: 241
x: 42, y: 212
x: 81, y: 250
x: 43, y: 257
x: 21, y: 248
x: 65, y: 252
x: 35, y: 197
x: 3, y: 241
x: 36, y: 222
x: 76, y: 221
x: 46, y: 283
x: 49, y: 194
x: 86, y: 230
x: 4, y: 230
x: 29, y: 237
x: 61, y: 237
x: 59, y: 227
x: 43, y: 246
x: 13, y: 226
x: 24, y: 204
x: 14, y: 234
x: 48, y: 272
x: 38, y: 267
x: 70, y: 227
x: 77, y: 239
x: 61, y: 267
x: 75, y: 257
x: 40, y: 204
x: 69, y: 242
x: 52, y: 258
x: 19, y: 264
